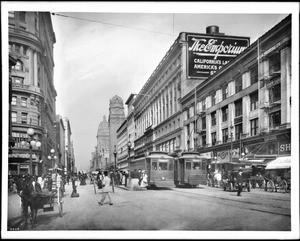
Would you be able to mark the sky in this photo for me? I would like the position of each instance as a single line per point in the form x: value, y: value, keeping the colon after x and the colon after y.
x: 105, y: 49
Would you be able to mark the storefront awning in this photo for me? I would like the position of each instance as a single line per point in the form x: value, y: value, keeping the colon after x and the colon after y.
x: 280, y: 163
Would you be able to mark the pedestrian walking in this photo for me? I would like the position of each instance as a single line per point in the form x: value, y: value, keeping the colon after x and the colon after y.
x: 144, y: 182
x: 106, y: 188
x: 239, y: 180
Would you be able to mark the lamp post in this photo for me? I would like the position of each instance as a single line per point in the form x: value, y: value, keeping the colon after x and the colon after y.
x: 231, y: 138
x: 115, y: 154
x: 32, y: 142
x: 52, y: 156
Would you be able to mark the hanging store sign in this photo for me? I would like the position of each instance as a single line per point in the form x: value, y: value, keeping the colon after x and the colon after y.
x: 207, y: 54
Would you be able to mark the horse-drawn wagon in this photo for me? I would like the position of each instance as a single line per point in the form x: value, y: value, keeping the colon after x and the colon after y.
x: 278, y: 175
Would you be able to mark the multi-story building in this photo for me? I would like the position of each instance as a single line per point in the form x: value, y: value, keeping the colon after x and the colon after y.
x: 157, y: 108
x: 69, y: 158
x: 115, y: 119
x: 125, y: 135
x: 60, y: 142
x: 102, y: 148
x: 31, y: 40
x: 244, y: 109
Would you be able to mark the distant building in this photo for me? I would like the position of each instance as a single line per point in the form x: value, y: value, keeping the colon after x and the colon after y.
x: 101, y: 154
x: 31, y: 40
x: 69, y: 151
x: 115, y: 119
x: 60, y: 142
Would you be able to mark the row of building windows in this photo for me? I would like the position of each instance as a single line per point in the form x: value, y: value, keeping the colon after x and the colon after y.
x: 274, y: 122
x: 22, y: 18
x: 23, y: 101
x: 23, y: 118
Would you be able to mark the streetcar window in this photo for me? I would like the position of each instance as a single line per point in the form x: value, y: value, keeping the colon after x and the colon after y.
x: 188, y: 166
x: 171, y: 166
x: 154, y: 165
x: 163, y: 166
x: 196, y: 165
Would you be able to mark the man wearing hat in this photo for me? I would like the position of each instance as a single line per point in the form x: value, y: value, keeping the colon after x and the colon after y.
x: 239, y: 180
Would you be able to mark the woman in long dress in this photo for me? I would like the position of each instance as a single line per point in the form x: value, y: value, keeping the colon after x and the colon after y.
x: 144, y: 182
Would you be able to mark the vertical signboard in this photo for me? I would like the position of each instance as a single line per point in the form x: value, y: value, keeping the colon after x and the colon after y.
x: 206, y: 54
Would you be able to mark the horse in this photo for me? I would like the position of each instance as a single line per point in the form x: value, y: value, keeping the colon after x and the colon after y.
x: 30, y: 197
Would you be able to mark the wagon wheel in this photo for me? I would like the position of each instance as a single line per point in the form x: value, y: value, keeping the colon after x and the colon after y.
x: 270, y: 186
x: 249, y: 186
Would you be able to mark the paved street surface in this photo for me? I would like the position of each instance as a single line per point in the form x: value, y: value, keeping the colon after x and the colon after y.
x: 185, y: 209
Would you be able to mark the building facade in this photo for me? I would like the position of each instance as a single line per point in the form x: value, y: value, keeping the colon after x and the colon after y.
x: 157, y: 108
x: 244, y: 109
x: 60, y: 142
x: 31, y: 40
x: 115, y: 119
x: 101, y: 153
x: 69, y: 151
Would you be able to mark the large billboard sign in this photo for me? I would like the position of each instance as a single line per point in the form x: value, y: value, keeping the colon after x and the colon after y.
x: 206, y: 53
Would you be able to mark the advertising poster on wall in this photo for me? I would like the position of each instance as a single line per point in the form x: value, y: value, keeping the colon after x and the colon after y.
x: 206, y: 54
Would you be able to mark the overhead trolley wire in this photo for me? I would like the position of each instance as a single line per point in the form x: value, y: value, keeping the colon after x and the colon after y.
x: 116, y: 25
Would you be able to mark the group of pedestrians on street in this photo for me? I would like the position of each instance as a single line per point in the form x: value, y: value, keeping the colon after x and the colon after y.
x: 141, y: 176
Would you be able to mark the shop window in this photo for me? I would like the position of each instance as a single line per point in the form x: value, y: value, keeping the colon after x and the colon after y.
x: 254, y: 74
x: 224, y: 135
x: 225, y: 113
x: 254, y: 127
x: 253, y: 101
x: 238, y: 107
x: 275, y: 93
x: 238, y: 84
x: 171, y: 167
x: 275, y: 119
x: 213, y: 118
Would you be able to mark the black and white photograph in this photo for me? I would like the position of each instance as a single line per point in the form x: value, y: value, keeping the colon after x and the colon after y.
x: 150, y: 120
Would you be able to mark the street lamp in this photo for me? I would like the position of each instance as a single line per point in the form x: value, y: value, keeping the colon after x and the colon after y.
x: 32, y: 142
x: 231, y: 138
x: 52, y: 156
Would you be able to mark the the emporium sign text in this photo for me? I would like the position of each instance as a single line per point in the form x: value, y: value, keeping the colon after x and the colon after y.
x: 206, y: 54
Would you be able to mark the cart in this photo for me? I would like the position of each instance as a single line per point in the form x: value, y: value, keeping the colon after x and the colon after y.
x: 278, y: 175
x: 230, y: 179
x: 55, y: 197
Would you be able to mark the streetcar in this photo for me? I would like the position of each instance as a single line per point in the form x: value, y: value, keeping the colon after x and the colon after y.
x: 159, y: 167
x: 190, y: 170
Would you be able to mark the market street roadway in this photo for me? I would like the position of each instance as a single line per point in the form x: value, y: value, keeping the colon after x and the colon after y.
x: 202, y: 209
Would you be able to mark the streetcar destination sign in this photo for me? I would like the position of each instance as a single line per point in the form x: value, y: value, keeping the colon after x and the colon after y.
x: 206, y: 54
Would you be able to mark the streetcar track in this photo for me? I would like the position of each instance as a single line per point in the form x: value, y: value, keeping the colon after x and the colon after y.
x: 237, y: 201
